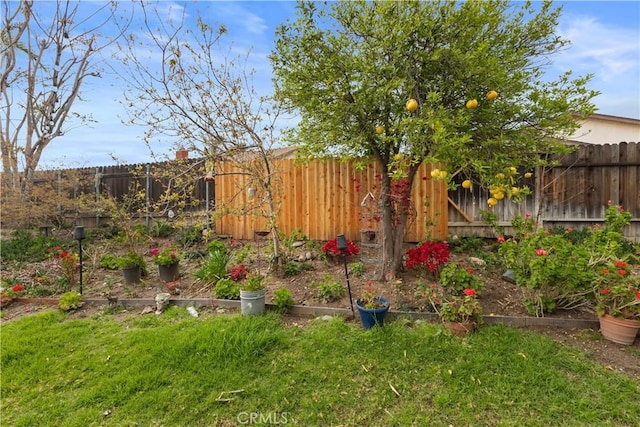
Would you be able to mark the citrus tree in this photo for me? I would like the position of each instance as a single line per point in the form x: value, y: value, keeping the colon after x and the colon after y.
x: 462, y: 85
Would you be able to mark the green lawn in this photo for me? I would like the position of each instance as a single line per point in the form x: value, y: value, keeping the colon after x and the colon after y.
x: 176, y: 370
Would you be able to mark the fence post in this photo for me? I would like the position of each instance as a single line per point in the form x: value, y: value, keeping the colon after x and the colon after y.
x: 148, y: 195
x: 97, y: 184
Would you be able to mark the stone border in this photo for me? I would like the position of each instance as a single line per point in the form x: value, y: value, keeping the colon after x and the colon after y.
x: 311, y: 311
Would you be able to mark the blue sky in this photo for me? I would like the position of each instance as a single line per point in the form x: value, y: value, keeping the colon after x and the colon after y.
x: 604, y: 34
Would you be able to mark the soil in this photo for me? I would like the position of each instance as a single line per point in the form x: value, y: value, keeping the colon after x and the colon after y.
x: 500, y: 297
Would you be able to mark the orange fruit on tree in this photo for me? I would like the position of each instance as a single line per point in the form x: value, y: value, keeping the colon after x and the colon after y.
x: 528, y: 175
x: 412, y: 105
x: 498, y: 195
x: 472, y: 103
x: 398, y: 156
x: 492, y: 202
x: 379, y: 129
x: 491, y: 95
x: 466, y: 183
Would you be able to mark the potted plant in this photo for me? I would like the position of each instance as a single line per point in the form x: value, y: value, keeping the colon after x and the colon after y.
x: 460, y: 314
x: 617, y: 294
x: 167, y: 258
x: 132, y: 265
x: 252, y: 295
x: 372, y: 308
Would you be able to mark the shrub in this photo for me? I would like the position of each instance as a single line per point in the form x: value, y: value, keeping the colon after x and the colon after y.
x: 430, y: 256
x: 238, y: 272
x: 227, y: 289
x: 331, y: 248
x: 70, y: 301
x: 329, y: 289
x: 214, y: 267
x: 283, y: 300
x: 293, y: 268
x: 456, y: 278
x: 357, y: 268
x: 109, y: 262
x: 24, y: 246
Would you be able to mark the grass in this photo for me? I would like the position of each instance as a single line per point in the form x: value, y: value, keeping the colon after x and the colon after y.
x: 179, y: 370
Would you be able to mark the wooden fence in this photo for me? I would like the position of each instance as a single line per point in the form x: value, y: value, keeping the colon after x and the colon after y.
x: 327, y: 197
x: 575, y: 193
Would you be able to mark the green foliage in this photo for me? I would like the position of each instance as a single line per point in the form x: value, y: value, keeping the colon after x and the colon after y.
x: 357, y: 268
x: 226, y: 289
x: 214, y: 266
x: 293, y: 268
x: 70, y: 301
x: 456, y: 279
x: 242, y: 254
x: 131, y: 259
x: 189, y: 236
x: 109, y: 262
x: 329, y: 289
x: 161, y: 229
x: 283, y: 300
x: 253, y: 283
x: 471, y: 245
x: 28, y: 246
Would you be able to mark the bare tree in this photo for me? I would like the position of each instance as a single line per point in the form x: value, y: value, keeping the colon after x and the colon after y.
x: 43, y: 66
x: 186, y: 87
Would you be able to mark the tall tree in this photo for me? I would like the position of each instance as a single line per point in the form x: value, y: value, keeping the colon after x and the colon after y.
x: 204, y: 99
x: 349, y: 69
x: 44, y: 62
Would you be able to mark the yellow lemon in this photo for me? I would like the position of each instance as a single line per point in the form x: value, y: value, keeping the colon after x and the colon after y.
x: 472, y: 103
x: 310, y: 157
x: 500, y: 176
x: 499, y: 195
x: 442, y: 174
x: 528, y: 175
x: 466, y: 183
x: 412, y: 105
x: 492, y: 202
x: 491, y: 95
x: 379, y: 129
x: 515, y: 191
x: 435, y: 173
x: 398, y: 156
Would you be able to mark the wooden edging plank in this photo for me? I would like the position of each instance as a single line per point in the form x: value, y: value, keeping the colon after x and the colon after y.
x: 311, y: 311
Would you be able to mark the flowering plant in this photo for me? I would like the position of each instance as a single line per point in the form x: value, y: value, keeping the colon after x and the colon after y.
x: 457, y: 278
x: 69, y: 262
x: 617, y: 291
x: 429, y: 255
x: 463, y: 309
x: 331, y: 247
x: 166, y: 256
x: 369, y: 300
x: 12, y: 292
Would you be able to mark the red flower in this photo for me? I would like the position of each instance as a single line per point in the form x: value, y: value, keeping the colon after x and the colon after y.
x: 620, y: 264
x: 17, y: 288
x: 470, y: 270
x: 605, y: 291
x: 541, y: 252
x: 603, y: 271
x: 622, y: 272
x: 637, y: 295
x: 155, y: 252
x: 500, y: 239
x: 470, y: 292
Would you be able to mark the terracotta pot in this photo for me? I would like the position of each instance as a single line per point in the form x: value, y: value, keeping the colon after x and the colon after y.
x: 460, y: 329
x: 620, y: 331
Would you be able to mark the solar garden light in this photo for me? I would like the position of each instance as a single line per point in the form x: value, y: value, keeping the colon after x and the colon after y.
x: 341, y: 243
x: 78, y: 234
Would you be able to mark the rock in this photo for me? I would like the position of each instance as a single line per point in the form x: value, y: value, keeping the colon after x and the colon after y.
x: 297, y: 244
x: 147, y: 310
x: 162, y: 301
x: 192, y: 311
x: 476, y: 261
x: 302, y: 258
x: 325, y: 318
x: 509, y: 276
x: 308, y: 256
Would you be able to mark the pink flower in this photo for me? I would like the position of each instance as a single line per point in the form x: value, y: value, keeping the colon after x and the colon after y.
x: 500, y: 239
x: 605, y: 291
x: 470, y: 292
x: 155, y: 252
x: 541, y: 252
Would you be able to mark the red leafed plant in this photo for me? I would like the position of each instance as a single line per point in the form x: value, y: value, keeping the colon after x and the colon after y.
x: 430, y: 255
x: 331, y: 247
x: 238, y: 272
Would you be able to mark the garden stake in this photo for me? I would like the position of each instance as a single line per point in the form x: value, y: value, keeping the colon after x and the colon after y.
x: 341, y: 243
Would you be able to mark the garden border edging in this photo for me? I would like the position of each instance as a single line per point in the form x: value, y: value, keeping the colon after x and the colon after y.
x: 312, y: 311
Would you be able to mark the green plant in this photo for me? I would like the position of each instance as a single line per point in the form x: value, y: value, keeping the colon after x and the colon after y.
x: 456, y: 278
x: 617, y: 291
x: 161, y: 229
x: 167, y: 255
x: 109, y: 262
x: 293, y: 268
x: 253, y: 283
x: 131, y: 259
x: 27, y: 246
x: 70, y: 301
x: 357, y: 268
x: 329, y: 289
x: 214, y: 267
x: 467, y: 245
x: 283, y: 300
x: 226, y: 289
x: 462, y: 309
x: 242, y: 254
x: 368, y: 299
x: 190, y: 235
